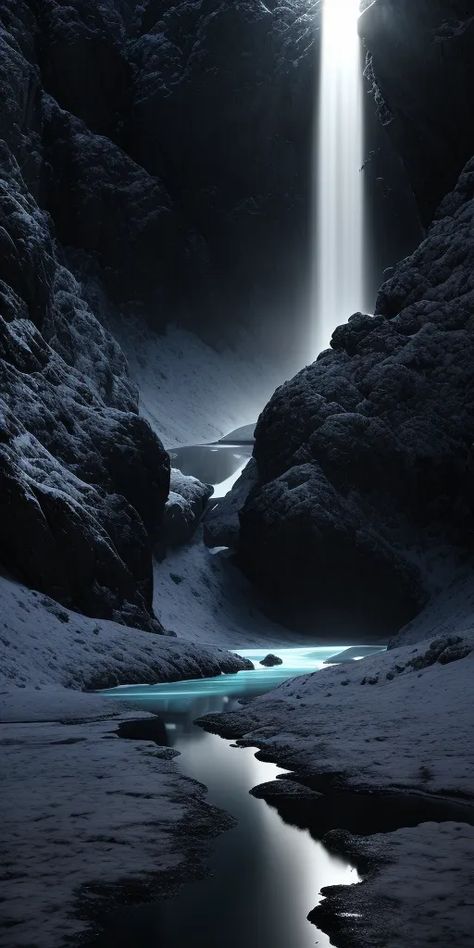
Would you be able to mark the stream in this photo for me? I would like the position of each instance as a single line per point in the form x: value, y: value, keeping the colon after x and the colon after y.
x: 219, y: 464
x: 265, y: 874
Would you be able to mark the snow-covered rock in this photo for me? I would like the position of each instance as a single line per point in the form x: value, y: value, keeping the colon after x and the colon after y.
x: 50, y: 656
x: 84, y: 479
x: 184, y: 507
x: 365, y: 457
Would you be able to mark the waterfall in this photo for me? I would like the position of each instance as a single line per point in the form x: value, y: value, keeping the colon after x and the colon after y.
x: 338, y: 255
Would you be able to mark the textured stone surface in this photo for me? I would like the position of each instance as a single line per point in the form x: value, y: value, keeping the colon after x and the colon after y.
x: 365, y: 457
x: 84, y: 480
x: 422, y: 70
x: 221, y: 522
x: 184, y: 508
x: 124, y: 119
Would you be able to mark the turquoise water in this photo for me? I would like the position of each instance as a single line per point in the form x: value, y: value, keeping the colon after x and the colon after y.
x: 265, y: 874
x: 203, y: 694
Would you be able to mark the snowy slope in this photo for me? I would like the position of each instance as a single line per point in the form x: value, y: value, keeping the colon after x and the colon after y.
x: 401, y: 721
x: 190, y: 392
x: 205, y: 598
x: 48, y: 654
x: 81, y: 808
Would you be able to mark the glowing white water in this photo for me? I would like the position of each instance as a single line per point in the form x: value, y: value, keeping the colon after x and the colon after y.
x: 338, y: 289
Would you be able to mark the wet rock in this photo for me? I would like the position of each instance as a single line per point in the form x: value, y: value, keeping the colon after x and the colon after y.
x: 281, y: 791
x: 270, y: 660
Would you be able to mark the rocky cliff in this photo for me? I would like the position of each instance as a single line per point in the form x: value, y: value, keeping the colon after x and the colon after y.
x: 83, y: 478
x: 365, y: 458
x: 421, y: 67
x: 171, y: 144
x: 123, y: 184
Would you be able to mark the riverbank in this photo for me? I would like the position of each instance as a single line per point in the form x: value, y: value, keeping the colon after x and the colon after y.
x: 401, y: 723
x: 91, y: 820
x: 88, y: 816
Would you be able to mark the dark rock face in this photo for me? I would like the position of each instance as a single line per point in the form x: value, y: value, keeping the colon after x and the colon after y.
x: 119, y: 158
x: 221, y: 522
x: 83, y: 479
x: 231, y: 86
x: 365, y: 458
x: 171, y: 143
x: 184, y: 508
x: 422, y: 70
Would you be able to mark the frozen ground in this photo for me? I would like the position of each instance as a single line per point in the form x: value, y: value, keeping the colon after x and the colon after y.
x: 81, y: 808
x: 402, y: 722
x: 190, y: 392
x: 417, y: 891
x: 83, y: 811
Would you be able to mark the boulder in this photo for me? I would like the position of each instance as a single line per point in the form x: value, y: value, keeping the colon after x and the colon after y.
x: 271, y: 660
x: 364, y: 459
x: 83, y: 478
x: 184, y: 507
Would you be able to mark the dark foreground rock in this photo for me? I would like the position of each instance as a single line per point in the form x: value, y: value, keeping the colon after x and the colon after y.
x: 283, y: 791
x: 365, y: 458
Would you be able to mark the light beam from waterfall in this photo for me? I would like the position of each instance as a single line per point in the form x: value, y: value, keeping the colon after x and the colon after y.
x: 338, y: 213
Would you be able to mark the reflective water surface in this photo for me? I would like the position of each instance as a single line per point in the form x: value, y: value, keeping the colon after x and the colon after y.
x: 196, y: 697
x: 216, y: 464
x: 266, y: 874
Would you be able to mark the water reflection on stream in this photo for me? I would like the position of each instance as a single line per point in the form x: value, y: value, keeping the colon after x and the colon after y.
x: 266, y: 874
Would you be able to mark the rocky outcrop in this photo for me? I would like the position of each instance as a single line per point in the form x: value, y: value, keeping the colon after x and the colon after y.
x: 365, y: 457
x: 169, y: 142
x: 230, y: 87
x: 221, y: 522
x: 271, y: 660
x: 184, y: 508
x: 83, y: 478
x: 421, y: 67
x: 115, y: 163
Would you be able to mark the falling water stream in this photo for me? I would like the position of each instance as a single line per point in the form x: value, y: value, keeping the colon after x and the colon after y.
x: 338, y: 271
